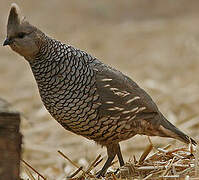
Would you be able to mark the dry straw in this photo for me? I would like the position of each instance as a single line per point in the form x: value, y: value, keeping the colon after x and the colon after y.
x: 164, y: 163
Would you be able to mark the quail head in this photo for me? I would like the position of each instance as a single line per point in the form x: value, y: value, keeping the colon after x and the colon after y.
x: 86, y: 96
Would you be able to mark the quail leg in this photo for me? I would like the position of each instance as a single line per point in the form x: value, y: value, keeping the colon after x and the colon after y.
x: 119, y: 155
x: 112, y: 151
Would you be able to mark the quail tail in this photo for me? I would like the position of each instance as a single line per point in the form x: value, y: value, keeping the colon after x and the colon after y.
x: 170, y: 130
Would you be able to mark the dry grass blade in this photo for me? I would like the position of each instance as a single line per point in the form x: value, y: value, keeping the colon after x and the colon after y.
x: 164, y: 148
x: 144, y: 168
x: 196, y: 162
x: 184, y: 172
x: 134, y: 159
x: 169, y: 167
x: 191, y: 146
x: 149, y: 139
x: 147, y: 177
x: 145, y: 153
x: 132, y: 169
x: 176, y: 150
x: 114, y: 177
x: 29, y: 173
x: 98, y: 162
x: 93, y: 164
x: 177, y: 155
x: 173, y: 176
x: 113, y: 162
x: 33, y: 169
x: 74, y: 164
x: 75, y: 173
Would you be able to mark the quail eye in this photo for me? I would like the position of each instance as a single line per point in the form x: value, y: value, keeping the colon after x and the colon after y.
x: 21, y: 35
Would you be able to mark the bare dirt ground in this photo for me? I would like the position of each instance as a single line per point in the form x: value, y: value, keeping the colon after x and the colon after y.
x: 154, y: 42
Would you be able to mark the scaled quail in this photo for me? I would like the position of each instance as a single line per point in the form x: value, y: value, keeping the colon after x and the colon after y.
x: 86, y: 96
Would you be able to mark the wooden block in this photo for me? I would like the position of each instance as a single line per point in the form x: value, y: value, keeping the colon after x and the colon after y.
x: 10, y: 143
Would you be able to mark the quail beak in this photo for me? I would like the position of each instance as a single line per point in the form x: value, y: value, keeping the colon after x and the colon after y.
x: 7, y: 42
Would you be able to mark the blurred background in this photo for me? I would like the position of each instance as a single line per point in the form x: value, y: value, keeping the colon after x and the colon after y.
x: 155, y: 42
